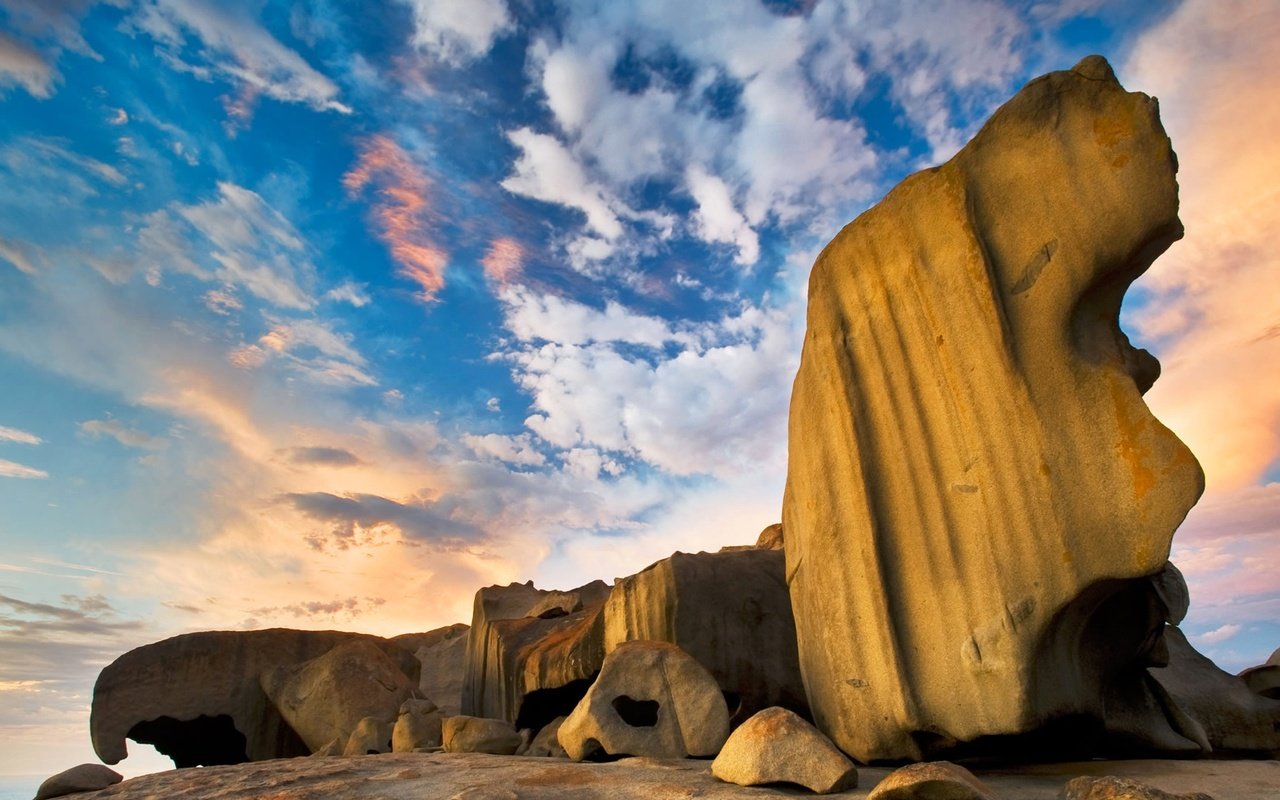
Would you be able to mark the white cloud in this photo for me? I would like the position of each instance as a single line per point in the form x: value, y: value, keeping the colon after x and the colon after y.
x: 535, y: 317
x: 11, y: 469
x: 129, y: 437
x: 237, y: 49
x: 717, y: 220
x: 18, y: 254
x: 1219, y: 635
x: 22, y: 65
x: 456, y: 31
x: 519, y: 450
x: 18, y: 436
x: 547, y: 171
x: 348, y: 293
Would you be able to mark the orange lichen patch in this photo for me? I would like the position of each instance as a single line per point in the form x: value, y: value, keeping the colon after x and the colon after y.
x: 1131, y: 427
x: 1108, y: 130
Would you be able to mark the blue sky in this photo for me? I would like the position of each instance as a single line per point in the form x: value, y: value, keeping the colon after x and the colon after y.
x: 322, y: 314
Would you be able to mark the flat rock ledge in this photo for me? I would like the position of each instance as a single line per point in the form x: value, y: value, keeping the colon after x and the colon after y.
x: 473, y: 776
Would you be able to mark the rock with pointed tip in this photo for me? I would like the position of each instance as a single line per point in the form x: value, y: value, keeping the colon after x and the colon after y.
x: 977, y: 493
x: 651, y: 699
x: 777, y: 746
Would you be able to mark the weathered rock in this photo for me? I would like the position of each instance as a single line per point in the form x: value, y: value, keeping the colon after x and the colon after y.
x: 769, y: 539
x: 932, y: 780
x: 197, y: 697
x: 1274, y: 660
x: 371, y: 735
x: 651, y: 699
x: 324, y: 698
x: 975, y: 485
x: 418, y: 727
x: 729, y: 610
x: 1110, y: 788
x: 529, y: 669
x: 465, y: 734
x: 443, y: 656
x: 1263, y: 680
x: 556, y: 604
x: 777, y: 746
x: 1234, y: 718
x: 547, y: 742
x: 83, y: 778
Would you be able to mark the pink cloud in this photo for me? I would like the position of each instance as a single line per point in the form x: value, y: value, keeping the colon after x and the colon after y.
x: 504, y: 261
x: 401, y: 210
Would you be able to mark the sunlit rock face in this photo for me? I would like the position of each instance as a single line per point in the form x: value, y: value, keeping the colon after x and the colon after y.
x: 975, y: 488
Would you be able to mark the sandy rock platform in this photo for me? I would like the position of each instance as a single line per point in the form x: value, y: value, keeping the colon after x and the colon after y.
x: 469, y: 776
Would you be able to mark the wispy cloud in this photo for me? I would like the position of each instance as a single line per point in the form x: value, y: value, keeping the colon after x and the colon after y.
x: 129, y: 437
x: 503, y: 261
x: 456, y: 31
x: 401, y: 210
x: 22, y: 65
x: 12, y: 469
x: 238, y: 49
x: 1219, y: 635
x: 322, y: 456
x: 18, y: 436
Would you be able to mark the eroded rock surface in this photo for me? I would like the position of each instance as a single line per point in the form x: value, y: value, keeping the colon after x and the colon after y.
x: 777, y: 746
x: 197, y: 697
x: 418, y: 727
x: 729, y: 610
x: 442, y: 654
x: 82, y: 778
x: 651, y: 699
x: 464, y: 734
x: 976, y: 491
x: 1111, y: 788
x: 325, y: 698
x: 933, y: 780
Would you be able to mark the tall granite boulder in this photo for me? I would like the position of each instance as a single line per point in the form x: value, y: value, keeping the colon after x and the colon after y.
x: 197, y: 698
x: 442, y: 654
x: 327, y: 697
x: 976, y: 492
x: 529, y: 658
x: 729, y: 610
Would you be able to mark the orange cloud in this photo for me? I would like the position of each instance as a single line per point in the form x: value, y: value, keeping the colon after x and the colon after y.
x: 401, y: 210
x: 1213, y: 310
x: 504, y: 261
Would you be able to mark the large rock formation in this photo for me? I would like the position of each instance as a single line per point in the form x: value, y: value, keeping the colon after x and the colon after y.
x: 443, y: 655
x: 529, y: 658
x: 197, y: 699
x: 729, y: 610
x: 976, y: 492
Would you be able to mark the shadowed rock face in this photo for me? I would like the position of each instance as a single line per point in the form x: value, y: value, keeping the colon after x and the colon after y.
x: 197, y: 698
x: 975, y: 487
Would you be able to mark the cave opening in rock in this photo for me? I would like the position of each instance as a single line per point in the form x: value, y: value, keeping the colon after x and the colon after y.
x: 636, y: 713
x: 542, y: 706
x: 203, y: 741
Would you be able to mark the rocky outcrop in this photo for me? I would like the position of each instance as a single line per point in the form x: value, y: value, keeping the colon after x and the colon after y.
x: 370, y: 736
x: 976, y: 492
x: 651, y: 699
x: 464, y: 734
x: 530, y: 659
x: 442, y: 654
x: 1235, y: 719
x: 84, y: 778
x: 325, y: 698
x: 1111, y: 788
x: 418, y: 727
x: 777, y: 746
x: 197, y: 698
x: 729, y: 610
x: 934, y: 780
x: 769, y: 539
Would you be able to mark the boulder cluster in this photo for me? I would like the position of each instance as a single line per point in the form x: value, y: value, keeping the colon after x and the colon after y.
x: 972, y: 561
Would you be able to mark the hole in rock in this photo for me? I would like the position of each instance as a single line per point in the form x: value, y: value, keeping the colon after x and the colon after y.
x: 203, y: 741
x: 540, y: 707
x: 636, y: 713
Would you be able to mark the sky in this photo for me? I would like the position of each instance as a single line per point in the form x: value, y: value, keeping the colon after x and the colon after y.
x: 324, y: 315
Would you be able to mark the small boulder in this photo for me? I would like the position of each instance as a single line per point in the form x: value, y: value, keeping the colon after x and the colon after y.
x: 651, y: 699
x: 546, y: 743
x: 84, y: 778
x: 371, y: 735
x: 931, y: 780
x: 778, y: 746
x: 1111, y: 788
x: 463, y: 734
x: 324, y: 698
x: 417, y: 728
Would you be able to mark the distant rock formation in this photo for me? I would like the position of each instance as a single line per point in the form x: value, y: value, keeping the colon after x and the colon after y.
x: 443, y: 656
x: 197, y: 699
x: 976, y: 492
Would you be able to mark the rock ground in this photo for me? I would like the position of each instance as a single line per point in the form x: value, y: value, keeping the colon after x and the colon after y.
x: 428, y: 776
